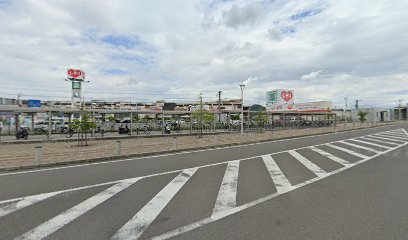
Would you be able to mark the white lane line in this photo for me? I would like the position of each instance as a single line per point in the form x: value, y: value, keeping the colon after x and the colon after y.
x: 186, y: 152
x: 230, y: 212
x: 282, y: 184
x: 380, y: 141
x: 311, y: 166
x: 227, y: 195
x: 52, y: 225
x: 347, y: 151
x: 385, y: 138
x: 135, y: 227
x: 359, y: 146
x: 370, y: 143
x: 332, y: 157
x: 25, y: 202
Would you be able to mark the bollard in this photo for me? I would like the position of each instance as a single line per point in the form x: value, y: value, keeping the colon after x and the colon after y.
x: 38, y: 154
x: 118, y: 147
x: 174, y: 143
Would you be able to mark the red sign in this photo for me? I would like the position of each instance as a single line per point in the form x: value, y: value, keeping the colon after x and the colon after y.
x: 286, y: 95
x: 76, y: 74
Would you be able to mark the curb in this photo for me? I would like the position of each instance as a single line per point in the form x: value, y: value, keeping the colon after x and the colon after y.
x: 111, y: 158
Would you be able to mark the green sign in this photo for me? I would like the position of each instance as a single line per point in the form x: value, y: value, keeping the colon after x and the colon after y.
x: 273, y: 96
x: 76, y: 85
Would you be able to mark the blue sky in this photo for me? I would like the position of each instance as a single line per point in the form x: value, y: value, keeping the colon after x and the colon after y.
x: 149, y: 50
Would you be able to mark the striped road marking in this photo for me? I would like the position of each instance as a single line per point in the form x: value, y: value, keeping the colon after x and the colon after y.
x: 311, y: 166
x: 347, y: 151
x: 379, y: 141
x: 385, y: 138
x: 71, y: 214
x: 279, y: 179
x: 332, y: 157
x: 227, y: 195
x: 359, y: 146
x: 392, y: 136
x: 135, y: 227
x: 370, y: 143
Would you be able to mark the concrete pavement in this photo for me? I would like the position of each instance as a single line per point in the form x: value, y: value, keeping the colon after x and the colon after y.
x: 322, y: 187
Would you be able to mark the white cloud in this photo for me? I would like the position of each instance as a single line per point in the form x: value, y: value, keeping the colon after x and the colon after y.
x: 172, y: 49
x: 311, y: 75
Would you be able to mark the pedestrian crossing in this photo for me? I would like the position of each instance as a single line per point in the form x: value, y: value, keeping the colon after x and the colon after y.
x: 224, y: 202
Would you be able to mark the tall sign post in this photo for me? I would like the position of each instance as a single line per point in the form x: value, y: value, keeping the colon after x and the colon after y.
x: 77, y: 77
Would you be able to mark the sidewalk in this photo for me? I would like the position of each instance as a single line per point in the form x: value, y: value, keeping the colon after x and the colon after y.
x: 13, y: 156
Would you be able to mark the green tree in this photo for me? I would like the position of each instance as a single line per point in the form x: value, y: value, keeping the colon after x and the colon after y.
x: 136, y: 118
x: 82, y: 126
x: 362, y: 116
x: 146, y: 118
x: 111, y: 119
x: 261, y: 119
x: 235, y: 117
x: 204, y: 115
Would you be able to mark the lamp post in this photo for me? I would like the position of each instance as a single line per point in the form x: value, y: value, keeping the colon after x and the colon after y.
x: 242, y: 86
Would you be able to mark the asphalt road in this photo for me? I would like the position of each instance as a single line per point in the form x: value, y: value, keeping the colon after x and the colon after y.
x: 349, y: 185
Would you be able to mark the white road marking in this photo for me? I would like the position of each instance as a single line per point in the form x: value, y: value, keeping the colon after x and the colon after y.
x: 370, y: 143
x: 385, y: 138
x: 183, y: 152
x: 380, y: 141
x: 392, y: 136
x: 282, y: 184
x: 227, y: 195
x: 52, y: 225
x: 359, y: 146
x: 399, y: 131
x: 347, y: 151
x: 395, y: 134
x: 307, y: 163
x: 230, y: 212
x: 25, y: 202
x: 135, y: 227
x: 332, y: 157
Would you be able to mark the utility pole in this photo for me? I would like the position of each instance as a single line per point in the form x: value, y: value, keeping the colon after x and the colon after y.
x: 219, y: 106
x: 357, y: 103
x: 345, y: 109
x: 242, y: 86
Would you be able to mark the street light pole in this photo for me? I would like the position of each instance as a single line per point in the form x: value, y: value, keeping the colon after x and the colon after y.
x: 242, y: 86
x: 345, y: 109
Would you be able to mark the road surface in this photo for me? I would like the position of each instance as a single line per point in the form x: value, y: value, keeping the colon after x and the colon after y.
x: 350, y: 185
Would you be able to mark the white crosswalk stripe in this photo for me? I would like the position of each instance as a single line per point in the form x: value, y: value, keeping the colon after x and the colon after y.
x: 370, y: 143
x: 135, y: 227
x: 359, y: 146
x: 282, y: 184
x: 379, y: 141
x: 347, y: 151
x: 311, y: 166
x: 69, y: 215
x: 385, y: 138
x: 332, y: 157
x: 227, y: 195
